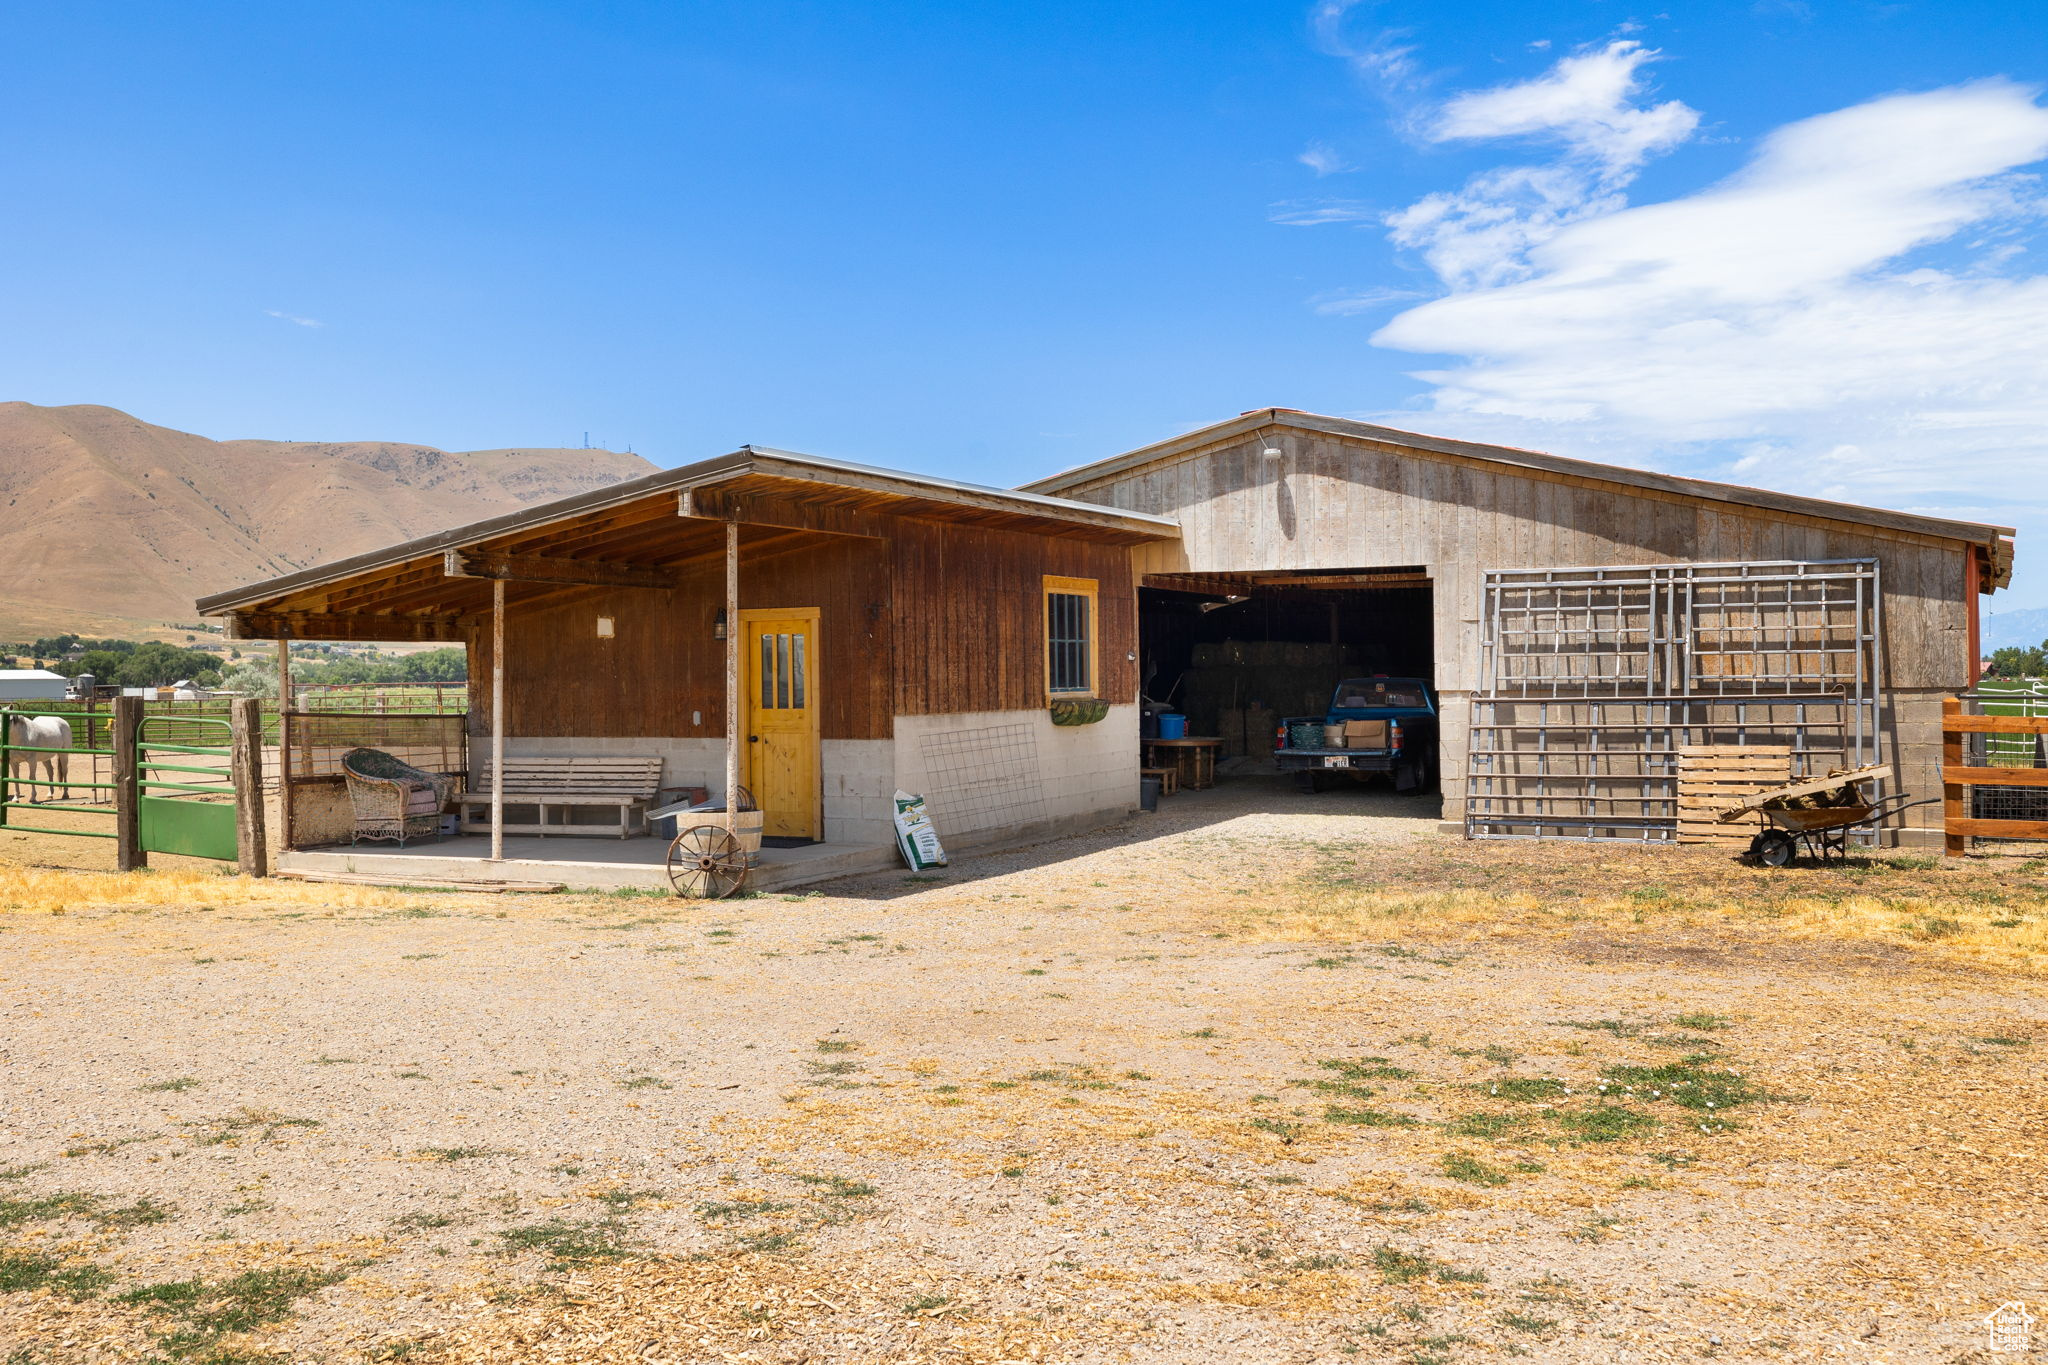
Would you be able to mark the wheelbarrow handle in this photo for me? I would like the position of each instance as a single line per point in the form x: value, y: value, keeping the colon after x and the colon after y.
x: 1879, y: 810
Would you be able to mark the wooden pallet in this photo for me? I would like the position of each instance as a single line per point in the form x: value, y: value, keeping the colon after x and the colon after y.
x: 1712, y: 775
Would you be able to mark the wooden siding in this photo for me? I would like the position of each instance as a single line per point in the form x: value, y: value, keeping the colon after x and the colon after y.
x: 961, y: 629
x: 970, y: 617
x: 1333, y: 502
x: 662, y: 663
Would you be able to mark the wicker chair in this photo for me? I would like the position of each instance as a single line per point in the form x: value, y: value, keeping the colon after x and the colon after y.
x: 392, y: 799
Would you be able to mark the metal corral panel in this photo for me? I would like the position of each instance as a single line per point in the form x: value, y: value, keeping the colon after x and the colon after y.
x: 1594, y: 680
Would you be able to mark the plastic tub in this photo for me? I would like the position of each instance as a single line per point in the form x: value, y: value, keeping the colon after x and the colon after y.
x: 1173, y: 726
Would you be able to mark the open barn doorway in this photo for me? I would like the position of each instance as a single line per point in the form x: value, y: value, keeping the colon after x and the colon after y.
x: 1238, y: 654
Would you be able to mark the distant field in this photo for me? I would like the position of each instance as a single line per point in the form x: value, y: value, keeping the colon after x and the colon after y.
x: 2026, y: 697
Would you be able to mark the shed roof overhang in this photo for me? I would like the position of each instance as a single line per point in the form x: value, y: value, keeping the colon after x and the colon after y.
x: 1994, y: 543
x: 641, y: 533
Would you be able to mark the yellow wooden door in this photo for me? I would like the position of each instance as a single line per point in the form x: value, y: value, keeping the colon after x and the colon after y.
x: 780, y: 650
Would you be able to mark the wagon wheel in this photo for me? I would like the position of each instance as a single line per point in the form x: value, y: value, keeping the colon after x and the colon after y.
x: 705, y: 862
x: 1775, y: 848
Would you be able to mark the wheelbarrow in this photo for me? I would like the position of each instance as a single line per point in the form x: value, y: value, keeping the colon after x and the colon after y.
x: 1822, y: 830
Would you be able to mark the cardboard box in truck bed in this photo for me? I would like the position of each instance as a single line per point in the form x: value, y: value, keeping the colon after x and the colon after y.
x: 1365, y: 734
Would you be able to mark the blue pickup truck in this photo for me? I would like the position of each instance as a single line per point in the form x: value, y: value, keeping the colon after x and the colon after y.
x: 1373, y: 726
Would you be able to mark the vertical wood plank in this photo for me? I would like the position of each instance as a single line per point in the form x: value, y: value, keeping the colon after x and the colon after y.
x: 287, y: 703
x: 1953, y: 844
x: 732, y: 676
x: 245, y: 762
x: 128, y: 854
x: 497, y: 720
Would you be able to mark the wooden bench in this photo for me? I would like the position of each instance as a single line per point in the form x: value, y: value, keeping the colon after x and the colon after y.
x: 1165, y: 777
x: 565, y: 784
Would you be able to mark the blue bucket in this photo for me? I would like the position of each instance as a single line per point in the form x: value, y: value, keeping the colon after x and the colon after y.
x: 1173, y: 726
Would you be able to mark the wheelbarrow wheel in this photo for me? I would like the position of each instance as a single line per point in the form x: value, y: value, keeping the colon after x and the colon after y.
x: 1775, y: 848
x: 705, y: 862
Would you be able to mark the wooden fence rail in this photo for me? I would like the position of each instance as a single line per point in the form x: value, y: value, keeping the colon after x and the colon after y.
x: 1957, y: 776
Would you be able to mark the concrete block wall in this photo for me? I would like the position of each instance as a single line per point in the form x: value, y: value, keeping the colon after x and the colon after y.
x: 1911, y: 721
x: 860, y: 780
x: 1085, y: 774
x: 1090, y: 770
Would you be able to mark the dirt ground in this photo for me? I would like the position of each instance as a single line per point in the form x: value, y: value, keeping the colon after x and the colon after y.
x: 1264, y: 1078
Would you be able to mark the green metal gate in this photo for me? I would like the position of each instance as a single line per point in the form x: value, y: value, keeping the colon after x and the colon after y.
x: 10, y: 785
x: 196, y: 815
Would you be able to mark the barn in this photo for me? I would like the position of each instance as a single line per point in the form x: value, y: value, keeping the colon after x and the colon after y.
x: 826, y: 634
x: 1581, y: 622
x: 32, y: 684
x: 822, y: 633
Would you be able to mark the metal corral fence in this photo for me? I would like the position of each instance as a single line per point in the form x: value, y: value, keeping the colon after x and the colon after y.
x: 308, y: 743
x: 2019, y: 746
x: 171, y: 781
x: 433, y: 699
x: 38, y: 776
x: 314, y: 799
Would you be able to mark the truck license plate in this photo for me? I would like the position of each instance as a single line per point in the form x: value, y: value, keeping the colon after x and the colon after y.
x: 1336, y: 762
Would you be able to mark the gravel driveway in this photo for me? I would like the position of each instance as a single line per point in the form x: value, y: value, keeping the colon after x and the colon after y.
x: 1091, y: 1101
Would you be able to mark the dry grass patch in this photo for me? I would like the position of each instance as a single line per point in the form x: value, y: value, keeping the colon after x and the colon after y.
x: 1975, y: 913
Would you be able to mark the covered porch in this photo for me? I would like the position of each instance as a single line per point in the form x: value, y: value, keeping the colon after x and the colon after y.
x: 754, y: 623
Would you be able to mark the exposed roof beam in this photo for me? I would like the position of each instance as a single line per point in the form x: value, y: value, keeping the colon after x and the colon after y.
x: 308, y: 625
x: 475, y: 563
x: 755, y: 509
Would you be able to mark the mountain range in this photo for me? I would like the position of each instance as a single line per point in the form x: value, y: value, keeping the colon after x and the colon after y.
x: 2024, y: 628
x: 110, y: 526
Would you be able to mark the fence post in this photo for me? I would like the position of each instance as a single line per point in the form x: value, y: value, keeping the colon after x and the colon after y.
x: 127, y: 786
x: 245, y: 762
x: 7, y: 763
x: 1953, y: 844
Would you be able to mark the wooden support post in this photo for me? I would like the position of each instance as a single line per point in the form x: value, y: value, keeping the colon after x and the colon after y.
x: 497, y: 720
x: 128, y: 854
x: 287, y: 702
x: 245, y: 763
x: 732, y: 676
x: 1954, y: 844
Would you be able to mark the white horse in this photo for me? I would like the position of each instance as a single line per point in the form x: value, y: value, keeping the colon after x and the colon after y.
x: 40, y: 732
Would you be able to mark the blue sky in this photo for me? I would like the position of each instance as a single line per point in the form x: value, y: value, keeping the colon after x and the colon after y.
x: 1788, y: 244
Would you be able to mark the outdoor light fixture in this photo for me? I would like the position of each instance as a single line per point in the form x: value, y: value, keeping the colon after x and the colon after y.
x: 718, y: 625
x: 1231, y: 601
x: 1272, y: 452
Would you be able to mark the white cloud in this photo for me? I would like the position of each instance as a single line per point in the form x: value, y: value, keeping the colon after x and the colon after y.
x: 1346, y: 303
x: 1849, y: 314
x: 293, y: 318
x: 1588, y: 101
x: 1317, y: 213
x: 1383, y: 58
x: 1589, y: 104
x: 1321, y: 158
